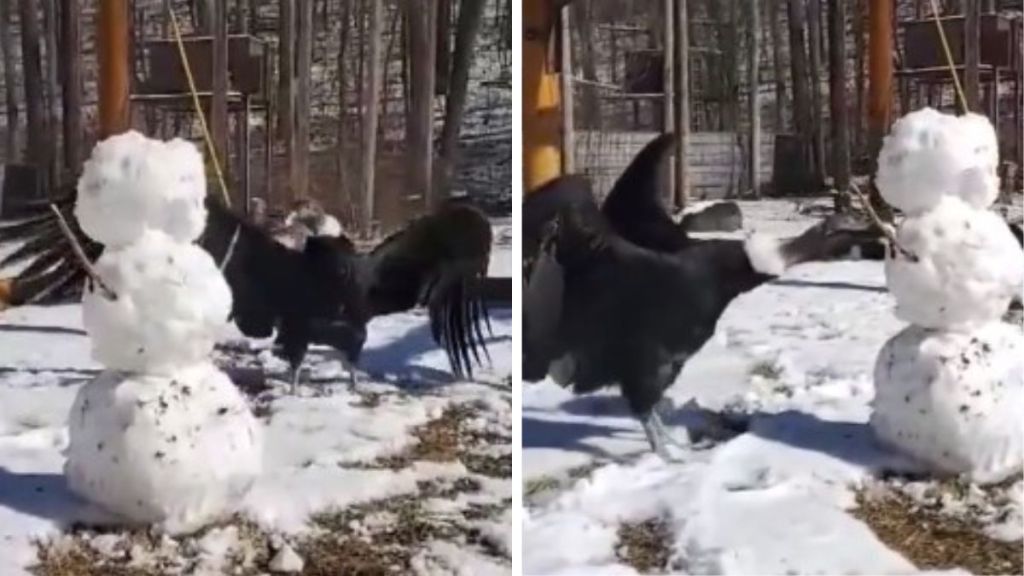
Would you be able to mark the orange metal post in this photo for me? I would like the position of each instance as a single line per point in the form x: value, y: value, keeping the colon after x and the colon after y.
x: 880, y: 71
x: 880, y: 79
x: 112, y: 52
x: 542, y: 137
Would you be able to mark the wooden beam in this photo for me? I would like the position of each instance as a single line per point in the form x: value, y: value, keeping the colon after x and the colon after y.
x: 112, y: 38
x: 32, y: 74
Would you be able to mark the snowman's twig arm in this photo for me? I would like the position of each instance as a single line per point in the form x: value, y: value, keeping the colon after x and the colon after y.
x: 886, y: 229
x: 80, y: 254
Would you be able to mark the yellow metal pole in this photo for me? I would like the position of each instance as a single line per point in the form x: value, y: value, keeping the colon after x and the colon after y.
x: 542, y: 137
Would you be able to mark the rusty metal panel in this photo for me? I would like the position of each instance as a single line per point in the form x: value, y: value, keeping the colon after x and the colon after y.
x: 923, y: 46
x: 164, y: 73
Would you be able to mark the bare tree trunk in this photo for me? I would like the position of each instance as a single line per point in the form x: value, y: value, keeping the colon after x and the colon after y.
x: 72, y: 84
x: 420, y: 123
x: 838, y: 101
x: 346, y: 14
x: 860, y: 103
x: 443, y: 56
x: 798, y: 65
x: 582, y: 21
x: 304, y: 53
x: 218, y: 26
x: 972, y: 55
x: 203, y: 15
x: 10, y: 77
x: 565, y: 86
x: 371, y: 99
x: 817, y: 123
x: 753, y: 98
x: 668, y: 104
x: 33, y: 75
x: 470, y: 16
x: 286, y: 90
x: 779, y: 66
x: 52, y: 90
x: 682, y: 77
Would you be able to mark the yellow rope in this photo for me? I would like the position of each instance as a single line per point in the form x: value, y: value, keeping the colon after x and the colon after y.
x: 198, y: 105
x: 949, y: 55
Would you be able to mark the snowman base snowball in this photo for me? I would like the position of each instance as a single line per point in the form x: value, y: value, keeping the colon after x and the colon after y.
x: 176, y: 452
x: 952, y: 400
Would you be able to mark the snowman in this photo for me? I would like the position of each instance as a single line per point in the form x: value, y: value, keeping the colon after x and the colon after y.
x: 161, y: 437
x: 949, y: 387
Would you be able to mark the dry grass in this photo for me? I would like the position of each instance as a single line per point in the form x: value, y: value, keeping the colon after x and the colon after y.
x: 646, y: 546
x: 140, y: 553
x: 932, y: 540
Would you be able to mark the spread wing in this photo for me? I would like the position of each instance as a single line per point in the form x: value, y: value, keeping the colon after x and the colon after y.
x: 438, y: 261
x: 39, y: 258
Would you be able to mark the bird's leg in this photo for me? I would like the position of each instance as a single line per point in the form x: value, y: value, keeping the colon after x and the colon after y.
x: 350, y: 366
x: 665, y: 433
x: 656, y: 435
x: 296, y: 371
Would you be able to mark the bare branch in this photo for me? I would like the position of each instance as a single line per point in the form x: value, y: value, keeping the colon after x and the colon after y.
x: 80, y: 254
x: 884, y: 228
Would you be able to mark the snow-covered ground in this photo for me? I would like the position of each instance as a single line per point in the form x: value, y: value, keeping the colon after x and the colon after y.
x: 410, y: 449
x: 787, y: 381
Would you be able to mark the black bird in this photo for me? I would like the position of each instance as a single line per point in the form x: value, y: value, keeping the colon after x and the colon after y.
x: 324, y: 291
x: 621, y: 296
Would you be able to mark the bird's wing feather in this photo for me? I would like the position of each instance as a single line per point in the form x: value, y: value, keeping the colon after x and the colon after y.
x: 51, y: 269
x: 438, y: 261
x: 635, y: 208
x: 542, y: 314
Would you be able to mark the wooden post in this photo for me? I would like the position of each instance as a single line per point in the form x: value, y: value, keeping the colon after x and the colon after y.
x: 541, y: 97
x: 972, y: 55
x: 112, y: 53
x: 682, y: 114
x: 371, y: 100
x: 72, y: 83
x: 754, y: 98
x: 838, y: 100
x: 304, y: 61
x: 568, y: 134
x: 218, y: 25
x: 669, y: 98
